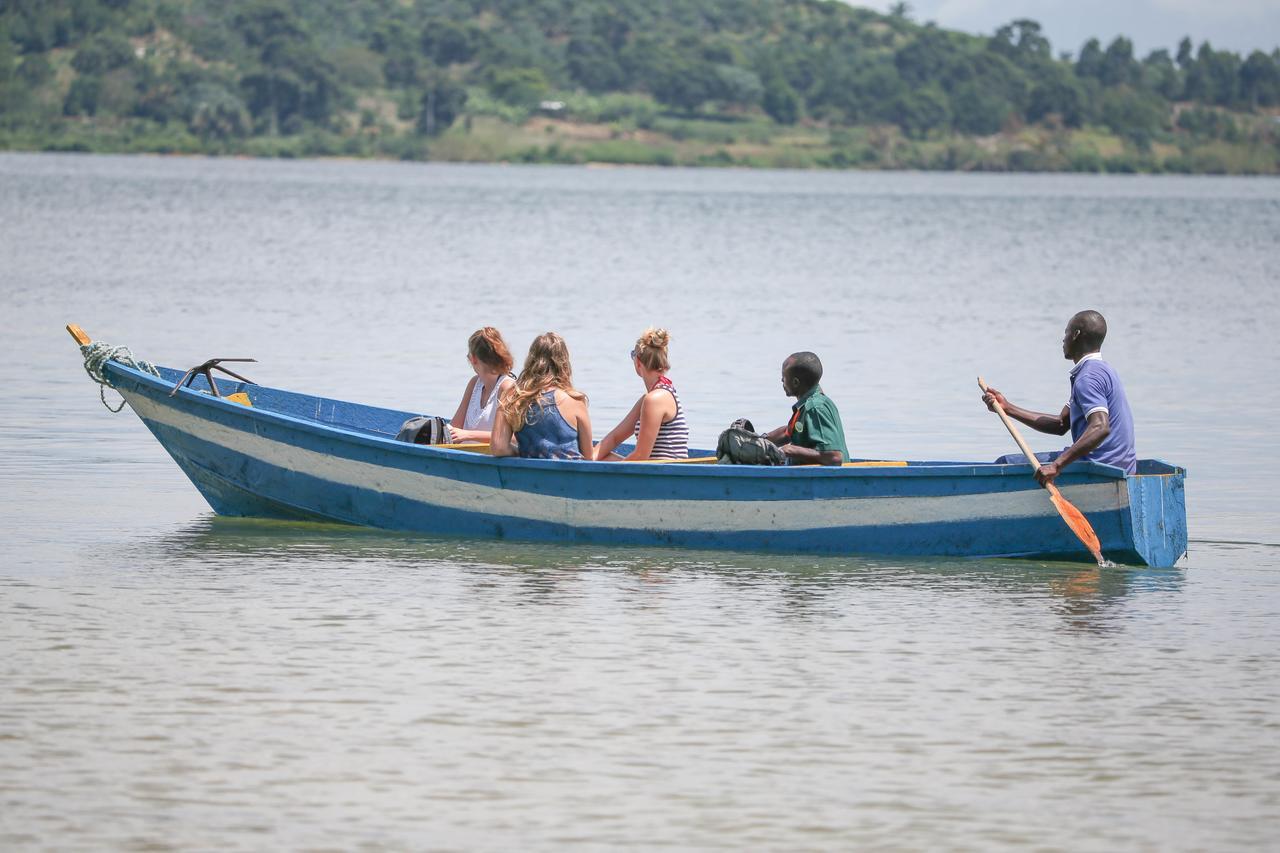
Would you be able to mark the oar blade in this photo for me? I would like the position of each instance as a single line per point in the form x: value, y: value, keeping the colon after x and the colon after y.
x: 1078, y: 523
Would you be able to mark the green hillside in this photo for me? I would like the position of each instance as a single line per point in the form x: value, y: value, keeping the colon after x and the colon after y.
x: 799, y: 83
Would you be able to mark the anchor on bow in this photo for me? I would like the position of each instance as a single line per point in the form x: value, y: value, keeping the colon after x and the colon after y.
x: 206, y: 370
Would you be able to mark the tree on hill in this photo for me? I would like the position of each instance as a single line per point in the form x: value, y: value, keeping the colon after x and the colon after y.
x: 292, y: 82
x: 222, y: 70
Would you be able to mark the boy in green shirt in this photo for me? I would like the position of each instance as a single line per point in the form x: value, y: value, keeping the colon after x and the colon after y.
x: 815, y: 434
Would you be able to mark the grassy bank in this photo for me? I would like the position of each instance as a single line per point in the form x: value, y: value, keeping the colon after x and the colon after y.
x: 683, y: 141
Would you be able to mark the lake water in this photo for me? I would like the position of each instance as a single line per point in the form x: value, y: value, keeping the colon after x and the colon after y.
x: 173, y: 680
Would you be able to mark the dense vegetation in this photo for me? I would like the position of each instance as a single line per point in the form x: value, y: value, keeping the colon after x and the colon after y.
x: 758, y: 82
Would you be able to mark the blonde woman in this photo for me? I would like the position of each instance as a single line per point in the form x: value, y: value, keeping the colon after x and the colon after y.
x: 657, y: 419
x: 542, y: 411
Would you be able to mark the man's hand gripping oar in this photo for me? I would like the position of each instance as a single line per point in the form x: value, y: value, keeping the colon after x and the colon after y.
x: 1073, y: 517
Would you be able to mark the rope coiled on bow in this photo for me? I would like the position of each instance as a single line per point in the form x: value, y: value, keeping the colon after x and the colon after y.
x: 97, y: 354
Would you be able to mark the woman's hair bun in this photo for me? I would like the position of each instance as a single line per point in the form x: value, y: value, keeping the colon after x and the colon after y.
x: 651, y: 348
x: 657, y: 338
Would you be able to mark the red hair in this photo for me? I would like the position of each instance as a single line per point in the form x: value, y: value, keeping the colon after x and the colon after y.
x: 487, y: 345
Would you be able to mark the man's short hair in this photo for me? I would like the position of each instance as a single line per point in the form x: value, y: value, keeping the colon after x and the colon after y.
x: 1093, y: 328
x: 806, y: 367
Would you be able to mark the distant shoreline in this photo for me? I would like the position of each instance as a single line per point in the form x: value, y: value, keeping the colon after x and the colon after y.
x: 690, y: 143
x: 605, y: 166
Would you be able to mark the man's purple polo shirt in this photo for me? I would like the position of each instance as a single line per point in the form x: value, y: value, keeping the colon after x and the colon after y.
x: 1095, y: 387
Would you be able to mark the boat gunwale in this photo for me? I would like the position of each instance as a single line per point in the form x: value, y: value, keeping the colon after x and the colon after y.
x: 922, y: 468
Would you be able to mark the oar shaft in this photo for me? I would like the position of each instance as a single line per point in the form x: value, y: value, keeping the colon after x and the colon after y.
x: 1013, y: 430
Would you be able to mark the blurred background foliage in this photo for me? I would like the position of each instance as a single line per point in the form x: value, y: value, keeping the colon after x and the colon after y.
x: 706, y: 82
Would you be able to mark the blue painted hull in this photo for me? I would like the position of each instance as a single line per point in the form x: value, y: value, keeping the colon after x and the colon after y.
x: 301, y: 457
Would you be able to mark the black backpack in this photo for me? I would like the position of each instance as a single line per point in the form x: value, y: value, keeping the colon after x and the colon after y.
x: 739, y: 445
x: 426, y: 429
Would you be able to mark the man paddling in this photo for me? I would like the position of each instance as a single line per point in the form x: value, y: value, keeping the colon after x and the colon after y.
x: 1097, y: 414
x: 815, y: 434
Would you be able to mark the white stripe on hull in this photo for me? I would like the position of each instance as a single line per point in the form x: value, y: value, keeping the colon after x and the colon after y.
x: 657, y: 514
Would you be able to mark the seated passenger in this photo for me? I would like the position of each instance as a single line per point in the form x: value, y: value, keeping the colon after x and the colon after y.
x: 814, y: 435
x: 657, y: 419
x: 491, y: 360
x: 542, y: 411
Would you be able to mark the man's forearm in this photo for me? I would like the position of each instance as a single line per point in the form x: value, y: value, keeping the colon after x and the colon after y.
x: 1036, y: 420
x: 777, y: 436
x: 810, y: 456
x: 1088, y: 441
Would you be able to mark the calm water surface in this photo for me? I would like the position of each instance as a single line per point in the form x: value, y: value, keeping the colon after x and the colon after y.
x: 169, y: 679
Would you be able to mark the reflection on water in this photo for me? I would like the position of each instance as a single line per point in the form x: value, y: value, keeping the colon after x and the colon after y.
x: 235, y: 673
x: 1087, y: 597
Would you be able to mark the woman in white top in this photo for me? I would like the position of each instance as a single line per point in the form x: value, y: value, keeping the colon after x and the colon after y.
x: 491, y: 360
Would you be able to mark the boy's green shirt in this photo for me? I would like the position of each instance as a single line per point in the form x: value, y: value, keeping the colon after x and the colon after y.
x: 816, y: 423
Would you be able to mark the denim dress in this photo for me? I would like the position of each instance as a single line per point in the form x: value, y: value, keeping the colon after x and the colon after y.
x: 546, y: 434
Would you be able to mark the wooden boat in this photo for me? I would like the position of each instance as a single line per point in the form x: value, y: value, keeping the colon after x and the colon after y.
x: 258, y: 451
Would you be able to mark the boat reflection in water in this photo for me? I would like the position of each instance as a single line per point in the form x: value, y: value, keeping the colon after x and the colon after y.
x: 369, y: 562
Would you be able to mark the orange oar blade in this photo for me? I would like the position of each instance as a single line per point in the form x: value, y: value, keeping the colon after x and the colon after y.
x: 1078, y: 523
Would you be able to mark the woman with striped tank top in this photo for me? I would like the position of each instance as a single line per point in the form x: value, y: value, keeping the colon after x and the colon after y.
x: 657, y: 419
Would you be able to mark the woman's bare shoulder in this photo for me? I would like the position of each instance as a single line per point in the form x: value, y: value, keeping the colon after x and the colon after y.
x: 659, y: 397
x: 563, y: 395
x: 568, y: 402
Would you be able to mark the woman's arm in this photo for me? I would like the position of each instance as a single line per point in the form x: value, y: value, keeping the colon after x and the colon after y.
x: 460, y: 417
x: 465, y: 436
x: 583, y: 422
x: 458, y: 435
x: 654, y: 409
x: 618, y: 434
x: 501, y: 441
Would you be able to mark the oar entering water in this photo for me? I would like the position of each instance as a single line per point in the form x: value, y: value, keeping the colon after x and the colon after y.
x: 1074, y: 518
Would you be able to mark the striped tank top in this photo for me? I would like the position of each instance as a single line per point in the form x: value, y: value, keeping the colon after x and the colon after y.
x: 673, y: 436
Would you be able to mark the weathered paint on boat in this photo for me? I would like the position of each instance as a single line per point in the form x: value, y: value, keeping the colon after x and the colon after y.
x: 289, y: 455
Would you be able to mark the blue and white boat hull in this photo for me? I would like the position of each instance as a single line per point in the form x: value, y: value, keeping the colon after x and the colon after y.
x: 295, y: 456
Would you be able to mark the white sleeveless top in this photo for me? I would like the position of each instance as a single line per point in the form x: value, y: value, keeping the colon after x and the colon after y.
x: 481, y: 416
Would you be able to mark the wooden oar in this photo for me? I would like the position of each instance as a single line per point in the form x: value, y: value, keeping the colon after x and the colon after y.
x: 1074, y: 518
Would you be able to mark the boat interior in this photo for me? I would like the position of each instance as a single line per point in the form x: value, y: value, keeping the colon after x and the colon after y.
x: 386, y: 423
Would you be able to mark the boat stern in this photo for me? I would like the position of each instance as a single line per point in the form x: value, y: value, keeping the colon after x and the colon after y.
x: 1158, y: 512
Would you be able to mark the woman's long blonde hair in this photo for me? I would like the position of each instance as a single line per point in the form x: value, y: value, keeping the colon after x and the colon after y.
x: 545, y: 368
